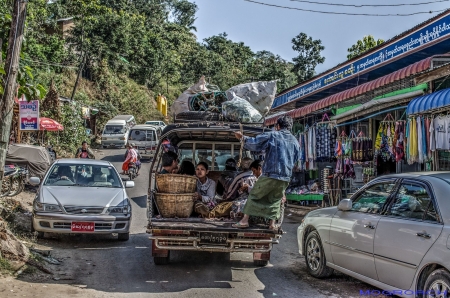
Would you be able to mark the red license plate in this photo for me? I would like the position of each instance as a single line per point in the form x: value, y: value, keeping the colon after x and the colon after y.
x: 82, y: 227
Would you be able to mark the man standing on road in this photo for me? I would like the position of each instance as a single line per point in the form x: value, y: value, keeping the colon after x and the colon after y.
x: 84, y: 151
x: 282, y: 152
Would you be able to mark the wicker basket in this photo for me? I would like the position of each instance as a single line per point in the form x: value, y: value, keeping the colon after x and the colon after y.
x: 175, y: 205
x: 174, y: 183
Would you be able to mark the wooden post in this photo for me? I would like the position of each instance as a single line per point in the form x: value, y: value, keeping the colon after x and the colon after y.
x: 11, y: 69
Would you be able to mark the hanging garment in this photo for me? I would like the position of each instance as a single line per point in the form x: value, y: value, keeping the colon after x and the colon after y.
x: 413, y: 148
x: 424, y: 141
x: 428, y: 137
x: 419, y: 139
x: 379, y: 137
x: 399, y: 148
x: 432, y: 136
x: 440, y: 131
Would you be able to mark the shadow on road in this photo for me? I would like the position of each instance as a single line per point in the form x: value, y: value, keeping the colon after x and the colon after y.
x: 103, y: 263
x: 140, y: 201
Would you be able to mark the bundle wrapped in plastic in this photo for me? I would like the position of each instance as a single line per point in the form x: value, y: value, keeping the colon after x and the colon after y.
x: 181, y: 104
x: 240, y: 110
x: 259, y: 94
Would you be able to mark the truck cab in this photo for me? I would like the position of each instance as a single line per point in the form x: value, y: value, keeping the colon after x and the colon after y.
x: 212, y: 143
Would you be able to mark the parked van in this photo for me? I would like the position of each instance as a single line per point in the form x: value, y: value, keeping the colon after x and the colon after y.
x: 156, y: 123
x: 115, y: 133
x: 145, y: 138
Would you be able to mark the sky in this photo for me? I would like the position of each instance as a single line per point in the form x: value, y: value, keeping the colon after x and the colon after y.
x: 271, y: 28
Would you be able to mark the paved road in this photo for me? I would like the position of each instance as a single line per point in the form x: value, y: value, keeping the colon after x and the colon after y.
x: 101, y: 266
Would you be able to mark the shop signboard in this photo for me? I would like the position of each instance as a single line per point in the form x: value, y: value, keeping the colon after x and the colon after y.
x: 29, y: 115
x: 420, y: 38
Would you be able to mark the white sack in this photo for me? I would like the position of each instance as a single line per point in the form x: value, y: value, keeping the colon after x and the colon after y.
x: 181, y: 104
x: 259, y: 94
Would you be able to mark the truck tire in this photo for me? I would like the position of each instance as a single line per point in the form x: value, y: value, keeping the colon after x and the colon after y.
x: 260, y: 263
x: 161, y: 260
x: 123, y: 236
x: 315, y: 257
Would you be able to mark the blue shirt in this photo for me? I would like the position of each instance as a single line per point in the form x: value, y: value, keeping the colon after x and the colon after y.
x: 282, y: 152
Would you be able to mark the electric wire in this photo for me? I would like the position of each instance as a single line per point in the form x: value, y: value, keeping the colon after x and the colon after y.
x: 347, y: 13
x: 369, y: 5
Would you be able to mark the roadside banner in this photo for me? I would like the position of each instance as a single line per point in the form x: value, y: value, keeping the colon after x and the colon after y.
x: 29, y: 115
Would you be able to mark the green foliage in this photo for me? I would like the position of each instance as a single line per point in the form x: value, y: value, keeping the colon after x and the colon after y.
x: 362, y: 46
x: 5, y: 266
x: 309, y: 56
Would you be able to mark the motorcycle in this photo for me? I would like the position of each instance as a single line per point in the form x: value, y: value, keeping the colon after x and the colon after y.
x: 18, y: 181
x: 8, y: 172
x: 132, y: 170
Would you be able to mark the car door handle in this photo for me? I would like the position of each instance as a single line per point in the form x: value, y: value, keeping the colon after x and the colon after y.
x: 369, y: 226
x: 423, y: 235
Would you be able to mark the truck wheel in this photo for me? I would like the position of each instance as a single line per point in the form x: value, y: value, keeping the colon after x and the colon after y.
x: 260, y: 263
x: 315, y: 257
x: 161, y: 260
x: 123, y: 236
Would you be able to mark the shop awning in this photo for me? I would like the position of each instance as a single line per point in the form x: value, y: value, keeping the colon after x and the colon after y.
x: 429, y: 102
x: 407, y: 71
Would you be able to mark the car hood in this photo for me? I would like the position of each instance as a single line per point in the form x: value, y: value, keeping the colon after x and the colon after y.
x: 82, y: 196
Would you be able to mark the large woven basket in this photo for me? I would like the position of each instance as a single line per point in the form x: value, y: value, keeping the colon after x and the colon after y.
x: 174, y: 183
x: 175, y: 205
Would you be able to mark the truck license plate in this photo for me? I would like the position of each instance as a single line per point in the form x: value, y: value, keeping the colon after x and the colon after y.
x: 213, y: 238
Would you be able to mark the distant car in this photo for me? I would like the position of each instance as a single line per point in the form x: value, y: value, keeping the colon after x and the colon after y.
x: 156, y: 123
x: 394, y: 233
x: 82, y: 196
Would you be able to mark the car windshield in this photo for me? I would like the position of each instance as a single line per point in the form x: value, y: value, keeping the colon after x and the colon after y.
x: 114, y: 129
x: 66, y: 174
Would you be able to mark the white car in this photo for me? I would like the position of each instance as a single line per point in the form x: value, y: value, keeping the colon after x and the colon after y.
x: 394, y: 234
x: 84, y: 196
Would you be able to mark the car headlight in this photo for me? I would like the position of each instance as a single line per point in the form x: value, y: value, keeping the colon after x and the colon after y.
x: 42, y: 207
x: 120, y: 209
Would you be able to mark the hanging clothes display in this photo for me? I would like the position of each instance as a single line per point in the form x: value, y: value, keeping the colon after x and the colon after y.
x: 385, y: 145
x: 412, y: 142
x: 399, y: 140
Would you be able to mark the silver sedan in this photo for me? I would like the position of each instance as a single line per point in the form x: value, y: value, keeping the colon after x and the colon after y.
x: 82, y: 196
x: 394, y: 234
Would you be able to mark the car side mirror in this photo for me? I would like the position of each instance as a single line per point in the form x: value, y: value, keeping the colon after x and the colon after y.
x: 35, y: 181
x: 345, y: 205
x: 129, y: 184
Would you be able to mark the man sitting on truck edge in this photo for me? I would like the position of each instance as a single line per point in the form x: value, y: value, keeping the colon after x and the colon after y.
x: 169, y: 163
x: 282, y: 152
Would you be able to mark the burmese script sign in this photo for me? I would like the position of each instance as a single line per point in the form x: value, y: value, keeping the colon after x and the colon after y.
x: 438, y: 29
x: 29, y: 115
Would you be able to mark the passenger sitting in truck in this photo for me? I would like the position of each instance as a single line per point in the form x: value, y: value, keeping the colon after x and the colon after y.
x: 227, y: 176
x: 169, y: 163
x: 206, y: 190
x: 244, y: 177
x: 187, y: 168
x: 244, y: 190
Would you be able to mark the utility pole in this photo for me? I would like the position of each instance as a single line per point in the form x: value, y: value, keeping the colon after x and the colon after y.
x: 10, y: 84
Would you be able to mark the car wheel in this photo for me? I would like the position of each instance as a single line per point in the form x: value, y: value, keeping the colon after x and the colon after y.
x: 260, y: 263
x: 161, y: 260
x: 315, y: 257
x: 123, y: 236
x: 437, y: 284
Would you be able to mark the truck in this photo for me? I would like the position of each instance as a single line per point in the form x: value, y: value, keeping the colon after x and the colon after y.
x: 215, y: 142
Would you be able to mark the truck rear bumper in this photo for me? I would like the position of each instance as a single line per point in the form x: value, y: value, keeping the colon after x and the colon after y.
x: 232, y: 245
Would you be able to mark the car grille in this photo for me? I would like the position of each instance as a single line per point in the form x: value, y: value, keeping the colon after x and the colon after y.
x: 61, y: 225
x: 83, y: 210
x: 103, y: 226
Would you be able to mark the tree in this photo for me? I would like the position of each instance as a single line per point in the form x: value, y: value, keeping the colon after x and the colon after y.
x: 309, y: 56
x: 184, y: 13
x: 362, y: 46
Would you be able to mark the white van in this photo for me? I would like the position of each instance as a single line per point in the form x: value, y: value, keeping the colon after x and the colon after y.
x: 145, y: 138
x: 156, y: 123
x: 115, y: 132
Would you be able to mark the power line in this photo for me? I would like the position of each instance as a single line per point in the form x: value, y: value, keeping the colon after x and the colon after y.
x: 347, y: 13
x: 369, y: 5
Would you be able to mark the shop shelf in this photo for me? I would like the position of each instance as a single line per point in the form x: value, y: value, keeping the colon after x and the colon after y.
x: 304, y: 197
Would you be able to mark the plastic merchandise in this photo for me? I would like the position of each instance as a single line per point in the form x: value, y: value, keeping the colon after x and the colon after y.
x: 240, y: 110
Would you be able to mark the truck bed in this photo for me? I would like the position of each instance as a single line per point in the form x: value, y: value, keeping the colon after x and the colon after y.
x: 208, y: 225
